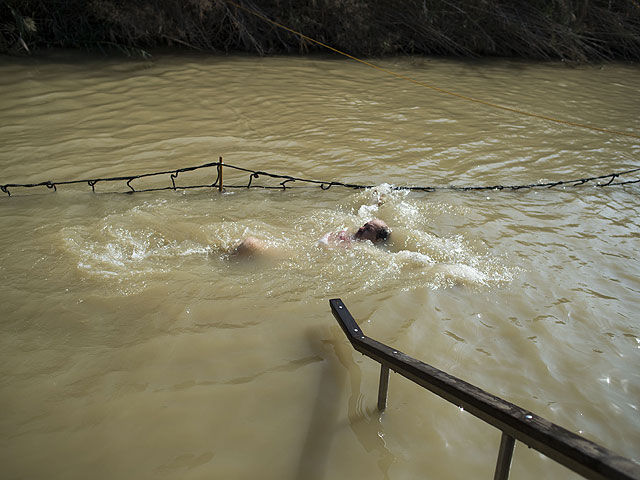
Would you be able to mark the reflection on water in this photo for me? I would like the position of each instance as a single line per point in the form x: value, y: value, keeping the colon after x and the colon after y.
x: 134, y: 345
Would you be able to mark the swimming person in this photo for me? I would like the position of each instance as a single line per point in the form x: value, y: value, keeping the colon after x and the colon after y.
x: 375, y: 231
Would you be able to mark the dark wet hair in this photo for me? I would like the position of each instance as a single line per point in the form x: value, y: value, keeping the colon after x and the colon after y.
x: 383, y: 233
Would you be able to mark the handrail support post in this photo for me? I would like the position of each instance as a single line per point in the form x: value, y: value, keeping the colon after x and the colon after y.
x: 584, y: 457
x: 503, y: 465
x: 383, y: 388
x: 220, y: 187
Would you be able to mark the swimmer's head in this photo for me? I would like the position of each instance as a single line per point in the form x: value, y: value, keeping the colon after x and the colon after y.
x: 375, y: 231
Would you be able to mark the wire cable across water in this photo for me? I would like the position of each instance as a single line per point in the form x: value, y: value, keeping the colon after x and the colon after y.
x: 286, y: 181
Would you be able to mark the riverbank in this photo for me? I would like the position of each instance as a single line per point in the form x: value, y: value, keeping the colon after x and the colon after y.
x: 578, y: 31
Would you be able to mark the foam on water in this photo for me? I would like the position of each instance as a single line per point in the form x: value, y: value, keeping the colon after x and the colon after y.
x: 138, y: 242
x: 127, y: 247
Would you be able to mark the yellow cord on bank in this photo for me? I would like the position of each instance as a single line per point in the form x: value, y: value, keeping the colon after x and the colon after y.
x: 432, y: 87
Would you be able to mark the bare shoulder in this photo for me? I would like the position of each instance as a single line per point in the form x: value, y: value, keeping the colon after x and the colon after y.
x: 248, y: 247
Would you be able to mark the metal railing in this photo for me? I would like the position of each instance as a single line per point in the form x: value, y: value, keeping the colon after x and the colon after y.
x: 574, y: 452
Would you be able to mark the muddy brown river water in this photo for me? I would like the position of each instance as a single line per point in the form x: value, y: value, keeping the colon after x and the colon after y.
x: 133, y: 346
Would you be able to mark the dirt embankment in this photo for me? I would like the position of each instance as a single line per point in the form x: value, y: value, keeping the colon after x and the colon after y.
x: 572, y: 30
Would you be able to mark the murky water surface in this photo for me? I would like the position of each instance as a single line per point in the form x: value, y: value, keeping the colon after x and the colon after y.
x: 133, y: 346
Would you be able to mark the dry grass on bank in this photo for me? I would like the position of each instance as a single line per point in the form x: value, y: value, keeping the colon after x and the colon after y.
x: 573, y: 30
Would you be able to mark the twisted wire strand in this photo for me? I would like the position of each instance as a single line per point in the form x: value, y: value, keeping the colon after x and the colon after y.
x: 323, y: 184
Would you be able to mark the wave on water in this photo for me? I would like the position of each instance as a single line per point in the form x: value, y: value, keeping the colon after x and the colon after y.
x: 132, y: 246
x: 417, y: 256
x: 159, y: 237
x: 126, y: 252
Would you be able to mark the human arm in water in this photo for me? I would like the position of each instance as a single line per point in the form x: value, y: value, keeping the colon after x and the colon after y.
x: 376, y: 231
x: 248, y: 247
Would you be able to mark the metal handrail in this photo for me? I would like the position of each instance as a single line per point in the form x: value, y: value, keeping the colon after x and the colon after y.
x: 583, y: 456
